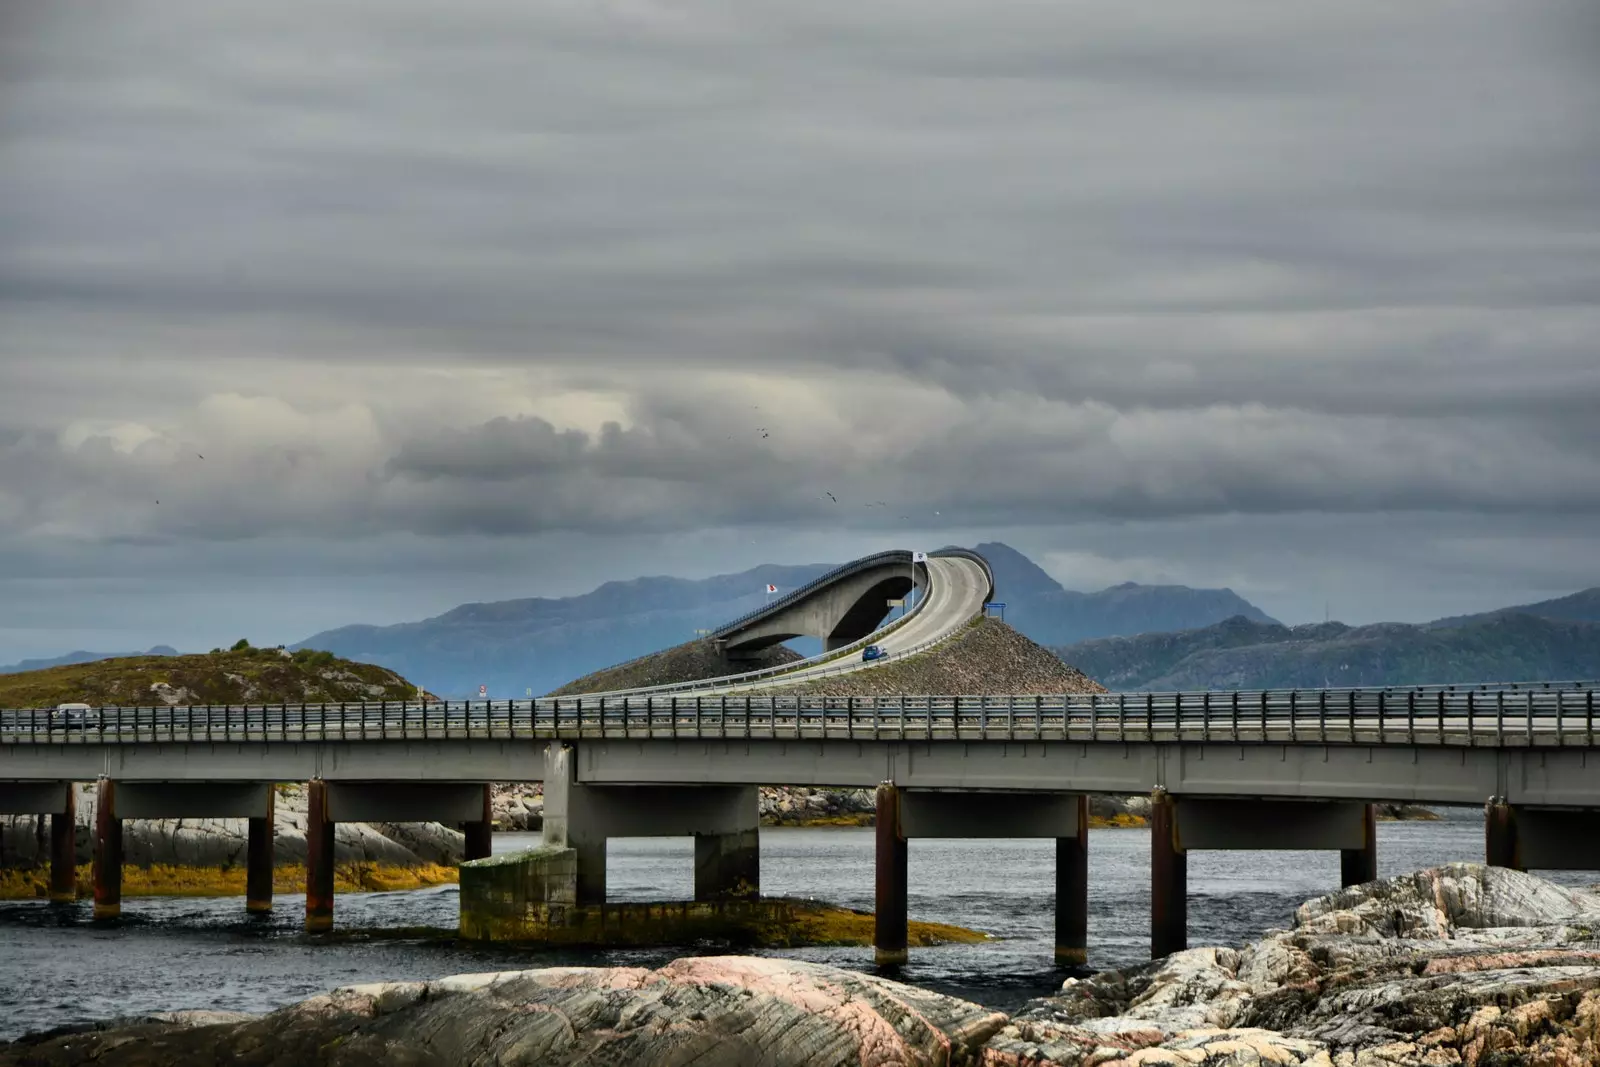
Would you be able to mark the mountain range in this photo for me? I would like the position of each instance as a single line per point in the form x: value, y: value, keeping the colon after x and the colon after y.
x: 80, y: 657
x: 1553, y: 640
x: 538, y: 644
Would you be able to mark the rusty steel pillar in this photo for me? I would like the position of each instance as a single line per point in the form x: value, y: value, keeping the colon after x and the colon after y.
x: 1072, y: 893
x: 319, y: 859
x: 889, y: 922
x: 64, y: 850
x: 107, y: 852
x: 480, y: 832
x: 1358, y: 866
x: 258, y: 859
x: 1169, y: 879
x: 1500, y: 845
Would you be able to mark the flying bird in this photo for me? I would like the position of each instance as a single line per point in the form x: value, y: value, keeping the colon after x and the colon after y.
x: 831, y: 497
x: 198, y: 454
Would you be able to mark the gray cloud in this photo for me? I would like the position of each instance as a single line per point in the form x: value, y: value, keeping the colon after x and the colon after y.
x: 551, y: 273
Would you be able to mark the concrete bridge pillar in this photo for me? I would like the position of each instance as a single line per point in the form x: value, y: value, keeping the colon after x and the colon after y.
x: 1358, y: 866
x: 480, y: 832
x: 258, y: 859
x: 724, y: 821
x: 319, y: 858
x: 107, y: 851
x: 1072, y: 892
x: 1500, y: 835
x: 64, y: 850
x: 1169, y: 879
x: 727, y: 866
x: 890, y: 920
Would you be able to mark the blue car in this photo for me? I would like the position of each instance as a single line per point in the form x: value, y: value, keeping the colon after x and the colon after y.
x: 872, y: 652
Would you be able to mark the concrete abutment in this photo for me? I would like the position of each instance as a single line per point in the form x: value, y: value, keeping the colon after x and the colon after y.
x: 1527, y: 838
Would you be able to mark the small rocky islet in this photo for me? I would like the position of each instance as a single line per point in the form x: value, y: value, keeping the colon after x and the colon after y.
x: 1456, y: 965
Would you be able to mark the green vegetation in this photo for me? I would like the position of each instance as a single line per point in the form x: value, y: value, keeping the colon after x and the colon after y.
x: 239, y: 676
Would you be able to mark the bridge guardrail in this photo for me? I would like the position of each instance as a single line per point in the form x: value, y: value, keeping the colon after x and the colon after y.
x: 1510, y: 716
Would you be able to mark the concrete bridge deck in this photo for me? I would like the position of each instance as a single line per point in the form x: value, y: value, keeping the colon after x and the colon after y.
x: 1224, y: 770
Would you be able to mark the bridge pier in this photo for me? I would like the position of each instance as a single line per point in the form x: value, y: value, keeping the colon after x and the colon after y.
x: 319, y: 858
x: 1169, y: 879
x: 724, y: 821
x: 1072, y: 893
x: 480, y: 832
x: 1500, y: 835
x: 727, y: 866
x: 1179, y: 825
x: 889, y: 912
x: 107, y: 851
x: 906, y: 813
x: 64, y: 850
x: 1527, y: 838
x: 258, y: 860
x: 1358, y: 866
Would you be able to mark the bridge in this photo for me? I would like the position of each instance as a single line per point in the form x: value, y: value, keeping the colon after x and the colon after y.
x: 1230, y: 770
x: 847, y: 609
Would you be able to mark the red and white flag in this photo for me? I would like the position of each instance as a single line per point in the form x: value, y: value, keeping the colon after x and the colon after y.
x: 772, y: 588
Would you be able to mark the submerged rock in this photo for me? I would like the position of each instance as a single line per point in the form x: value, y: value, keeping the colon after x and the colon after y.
x: 706, y: 1011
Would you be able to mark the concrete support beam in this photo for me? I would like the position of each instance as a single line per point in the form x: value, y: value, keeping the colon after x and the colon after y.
x: 193, y: 800
x: 1500, y: 835
x: 479, y: 832
x: 727, y: 866
x: 319, y: 858
x: 107, y: 852
x: 258, y: 861
x: 582, y: 817
x: 890, y: 920
x: 446, y: 802
x: 64, y: 850
x: 1204, y: 823
x: 925, y: 813
x: 1169, y: 879
x: 33, y: 798
x: 1072, y: 891
x: 1358, y: 866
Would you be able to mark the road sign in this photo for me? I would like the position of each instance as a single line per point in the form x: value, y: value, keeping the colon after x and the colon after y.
x: 530, y: 691
x: 1001, y: 604
x: 919, y: 557
x: 483, y: 690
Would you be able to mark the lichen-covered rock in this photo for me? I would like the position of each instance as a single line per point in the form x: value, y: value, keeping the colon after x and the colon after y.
x: 707, y: 1011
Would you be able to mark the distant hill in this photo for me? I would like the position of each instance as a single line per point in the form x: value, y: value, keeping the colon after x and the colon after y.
x: 1579, y: 607
x: 539, y: 643
x: 248, y: 675
x: 512, y: 646
x: 80, y: 657
x: 1241, y: 653
x: 1047, y: 613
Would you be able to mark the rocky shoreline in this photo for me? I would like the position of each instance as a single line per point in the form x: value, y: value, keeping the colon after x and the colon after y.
x: 1457, y: 965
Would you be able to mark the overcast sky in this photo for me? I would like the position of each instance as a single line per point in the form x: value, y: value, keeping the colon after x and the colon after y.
x: 473, y: 301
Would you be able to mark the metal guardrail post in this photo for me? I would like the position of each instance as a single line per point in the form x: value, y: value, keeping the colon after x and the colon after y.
x: 1530, y: 719
x: 1322, y: 716
x: 1500, y: 720
x: 1352, y: 696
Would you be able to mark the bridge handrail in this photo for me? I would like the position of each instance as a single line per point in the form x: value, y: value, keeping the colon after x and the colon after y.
x: 1514, y: 715
x: 1524, y: 706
